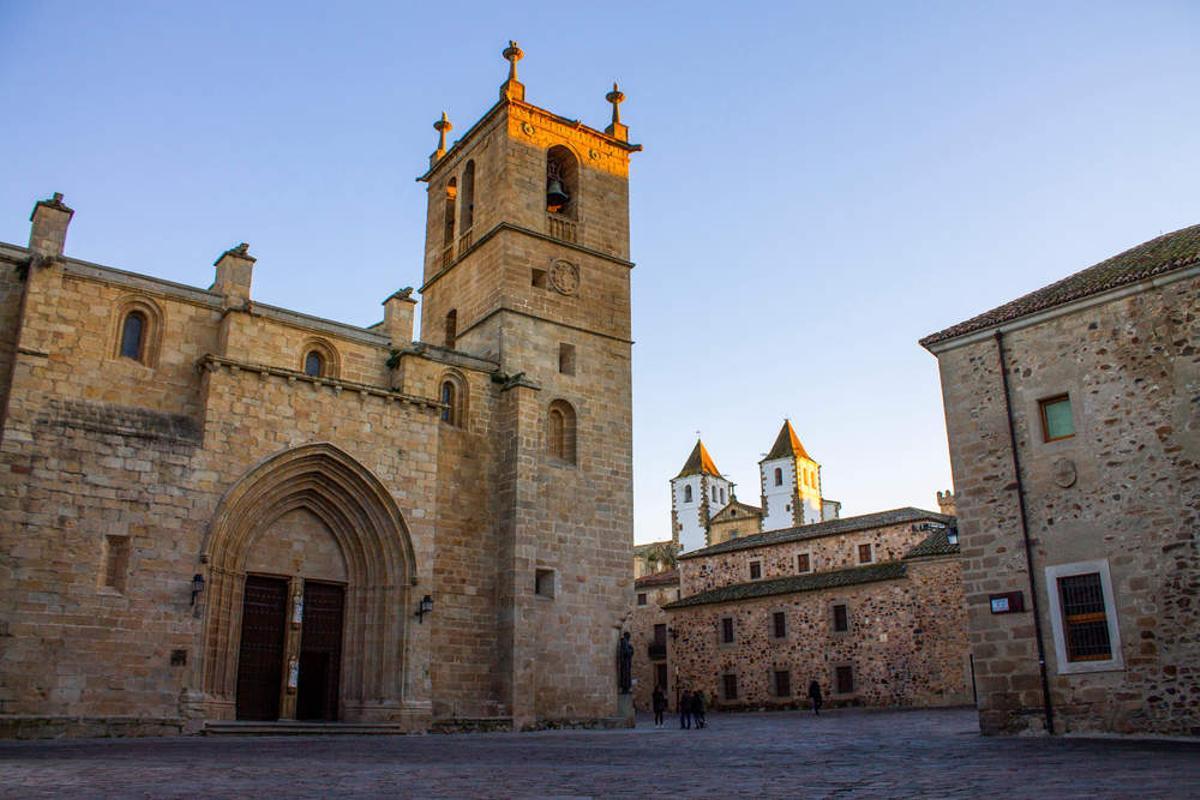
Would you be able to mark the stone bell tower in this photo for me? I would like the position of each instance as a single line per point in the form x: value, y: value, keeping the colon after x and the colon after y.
x: 527, y: 265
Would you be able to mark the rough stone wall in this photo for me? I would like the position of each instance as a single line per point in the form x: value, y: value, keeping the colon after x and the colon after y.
x: 640, y: 625
x: 906, y: 644
x: 1132, y: 371
x: 12, y: 285
x: 835, y: 551
x: 723, y: 526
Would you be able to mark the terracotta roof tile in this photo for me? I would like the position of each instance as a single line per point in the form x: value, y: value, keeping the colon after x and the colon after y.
x: 816, y: 530
x: 886, y: 571
x: 1166, y: 253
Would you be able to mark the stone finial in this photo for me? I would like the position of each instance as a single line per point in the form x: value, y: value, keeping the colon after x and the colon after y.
x: 512, y: 89
x: 616, y: 129
x: 441, y: 126
x: 48, y: 233
x: 235, y: 270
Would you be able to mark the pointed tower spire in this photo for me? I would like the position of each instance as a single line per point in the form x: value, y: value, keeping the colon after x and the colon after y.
x: 512, y: 89
x: 441, y: 126
x: 787, y: 444
x: 699, y: 462
x: 616, y: 129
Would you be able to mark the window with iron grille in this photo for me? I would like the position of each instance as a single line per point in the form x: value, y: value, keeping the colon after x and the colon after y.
x: 641, y: 598
x: 779, y: 624
x: 804, y: 563
x: 841, y: 618
x: 727, y: 630
x: 660, y: 635
x: 864, y: 554
x: 844, y: 679
x: 729, y: 683
x: 783, y: 683
x: 1085, y: 622
x: 755, y: 570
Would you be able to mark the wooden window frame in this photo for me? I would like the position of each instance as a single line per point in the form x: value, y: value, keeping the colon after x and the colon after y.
x: 833, y: 618
x: 1049, y: 401
x: 870, y: 553
x: 756, y: 566
x: 779, y: 620
x: 808, y: 563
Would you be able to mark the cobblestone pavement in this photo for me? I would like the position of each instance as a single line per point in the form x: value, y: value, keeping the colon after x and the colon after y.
x: 843, y: 754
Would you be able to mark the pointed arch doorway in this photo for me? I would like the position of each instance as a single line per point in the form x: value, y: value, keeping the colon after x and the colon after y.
x: 310, y: 568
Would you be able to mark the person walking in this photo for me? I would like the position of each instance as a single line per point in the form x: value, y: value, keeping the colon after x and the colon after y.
x: 685, y: 709
x: 814, y: 694
x: 659, y: 702
x: 698, y: 708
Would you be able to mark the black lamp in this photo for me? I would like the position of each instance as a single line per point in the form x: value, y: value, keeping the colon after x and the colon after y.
x: 197, y: 586
x: 425, y: 607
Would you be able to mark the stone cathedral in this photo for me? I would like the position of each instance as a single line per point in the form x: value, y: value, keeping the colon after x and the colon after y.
x: 215, y: 509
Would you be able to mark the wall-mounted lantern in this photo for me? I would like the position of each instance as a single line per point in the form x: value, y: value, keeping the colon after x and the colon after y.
x: 425, y: 607
x: 197, y: 586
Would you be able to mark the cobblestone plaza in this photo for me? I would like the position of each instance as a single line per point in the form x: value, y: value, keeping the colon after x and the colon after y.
x: 843, y: 754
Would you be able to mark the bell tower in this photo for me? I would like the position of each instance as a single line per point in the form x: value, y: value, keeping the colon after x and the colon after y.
x: 527, y: 265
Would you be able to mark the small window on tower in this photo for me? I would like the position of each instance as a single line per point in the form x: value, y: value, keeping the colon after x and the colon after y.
x: 539, y: 279
x: 451, y: 328
x: 116, y: 562
x: 566, y: 358
x: 778, y: 476
x: 544, y: 584
x: 687, y: 494
x: 722, y: 495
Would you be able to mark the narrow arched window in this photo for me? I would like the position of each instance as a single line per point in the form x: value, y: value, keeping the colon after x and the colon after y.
x: 133, y: 335
x: 778, y: 476
x: 448, y: 397
x: 560, y: 432
x: 451, y: 194
x: 562, y: 181
x: 451, y: 328
x: 687, y: 494
x: 468, y: 197
x: 314, y: 364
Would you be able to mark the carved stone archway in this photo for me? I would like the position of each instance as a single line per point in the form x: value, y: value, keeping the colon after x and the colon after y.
x: 381, y: 569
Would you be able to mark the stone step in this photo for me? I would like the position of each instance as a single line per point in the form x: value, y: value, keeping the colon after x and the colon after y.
x: 299, y: 728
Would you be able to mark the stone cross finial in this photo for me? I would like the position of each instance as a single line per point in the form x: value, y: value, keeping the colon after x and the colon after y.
x: 441, y: 126
x: 616, y: 129
x: 512, y: 89
x: 616, y: 97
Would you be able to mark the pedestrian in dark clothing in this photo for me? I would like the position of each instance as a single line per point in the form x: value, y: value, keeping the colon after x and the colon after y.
x: 685, y: 709
x: 698, y: 708
x: 659, y: 701
x: 814, y: 694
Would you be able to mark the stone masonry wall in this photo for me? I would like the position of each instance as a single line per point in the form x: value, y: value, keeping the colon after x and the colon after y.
x: 906, y: 644
x: 1122, y: 489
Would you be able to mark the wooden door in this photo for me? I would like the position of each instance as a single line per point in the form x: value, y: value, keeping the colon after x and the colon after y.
x: 320, y: 651
x: 260, y: 658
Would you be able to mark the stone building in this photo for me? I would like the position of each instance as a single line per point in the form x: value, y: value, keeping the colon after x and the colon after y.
x: 871, y: 606
x: 214, y: 508
x: 1073, y: 416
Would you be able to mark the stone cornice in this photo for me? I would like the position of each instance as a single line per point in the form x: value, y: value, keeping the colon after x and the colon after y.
x: 527, y: 315
x: 214, y: 362
x: 508, y: 226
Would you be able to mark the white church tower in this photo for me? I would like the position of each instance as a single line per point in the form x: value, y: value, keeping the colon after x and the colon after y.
x: 697, y: 493
x: 791, y: 485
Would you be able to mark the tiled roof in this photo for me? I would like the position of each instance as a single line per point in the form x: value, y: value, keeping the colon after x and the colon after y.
x: 787, y: 444
x: 818, y: 529
x: 668, y: 577
x: 935, y: 544
x: 652, y: 547
x: 886, y: 571
x: 699, y: 462
x: 1169, y: 252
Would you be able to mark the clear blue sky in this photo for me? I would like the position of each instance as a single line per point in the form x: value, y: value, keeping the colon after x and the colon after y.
x: 822, y: 184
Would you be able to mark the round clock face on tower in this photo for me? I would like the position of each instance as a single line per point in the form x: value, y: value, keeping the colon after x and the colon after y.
x: 564, y: 277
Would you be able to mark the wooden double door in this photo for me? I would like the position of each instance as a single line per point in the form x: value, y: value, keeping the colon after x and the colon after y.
x: 264, y: 664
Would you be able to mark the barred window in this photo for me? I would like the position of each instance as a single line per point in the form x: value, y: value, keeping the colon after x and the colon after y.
x: 641, y: 598
x: 783, y: 683
x: 755, y: 570
x: 841, y: 618
x: 804, y: 563
x: 1085, y: 622
x: 864, y: 554
x: 727, y: 630
x: 729, y: 683
x: 844, y: 680
x: 779, y: 624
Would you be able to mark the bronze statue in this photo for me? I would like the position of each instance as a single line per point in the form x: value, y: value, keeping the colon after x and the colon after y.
x: 625, y: 664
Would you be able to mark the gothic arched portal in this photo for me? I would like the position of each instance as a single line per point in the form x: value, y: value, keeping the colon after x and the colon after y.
x: 380, y: 569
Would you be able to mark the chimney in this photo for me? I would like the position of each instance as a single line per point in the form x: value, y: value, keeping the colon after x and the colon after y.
x: 48, y: 234
x: 946, y: 503
x: 398, y: 317
x: 235, y: 268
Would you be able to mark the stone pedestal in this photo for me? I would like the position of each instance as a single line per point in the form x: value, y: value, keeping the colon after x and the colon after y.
x: 625, y: 710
